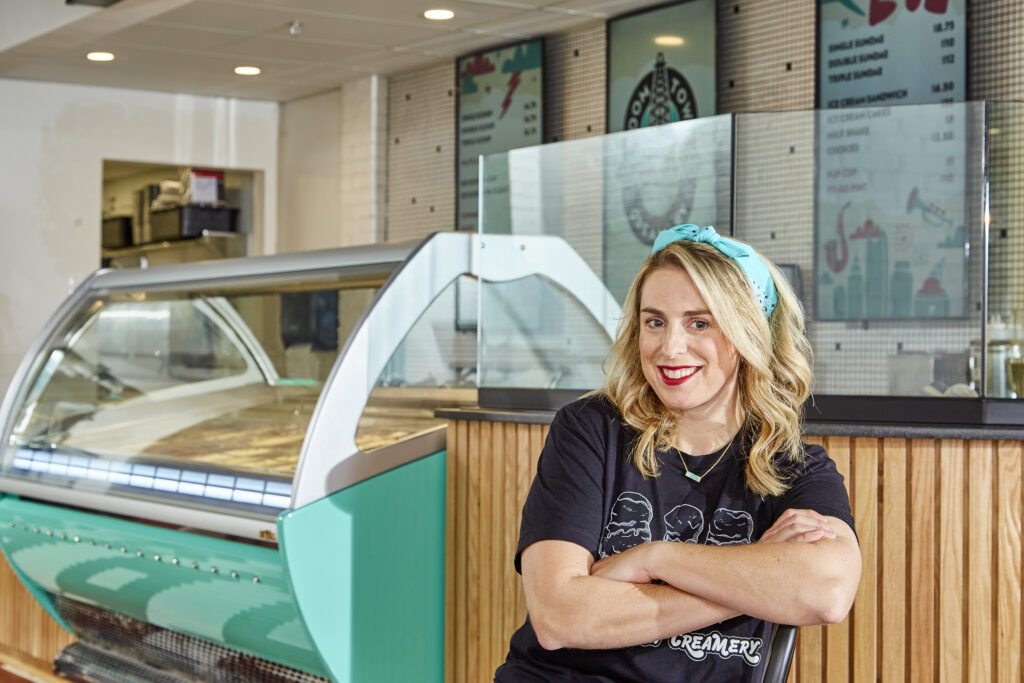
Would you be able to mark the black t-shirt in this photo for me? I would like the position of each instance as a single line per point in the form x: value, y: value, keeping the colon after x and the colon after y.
x: 587, y: 491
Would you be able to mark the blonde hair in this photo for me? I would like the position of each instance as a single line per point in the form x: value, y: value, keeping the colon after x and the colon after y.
x: 774, y: 377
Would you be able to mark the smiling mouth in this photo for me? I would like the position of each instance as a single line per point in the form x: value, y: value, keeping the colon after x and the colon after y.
x: 677, y: 374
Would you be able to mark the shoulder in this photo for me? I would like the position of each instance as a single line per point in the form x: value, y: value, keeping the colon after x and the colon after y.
x: 591, y: 421
x: 591, y: 410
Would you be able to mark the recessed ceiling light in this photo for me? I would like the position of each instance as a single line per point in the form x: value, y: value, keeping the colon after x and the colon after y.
x: 439, y: 14
x: 100, y: 56
x: 668, y: 41
x: 247, y: 70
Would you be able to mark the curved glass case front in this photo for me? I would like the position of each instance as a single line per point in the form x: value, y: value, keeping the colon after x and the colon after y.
x: 203, y: 393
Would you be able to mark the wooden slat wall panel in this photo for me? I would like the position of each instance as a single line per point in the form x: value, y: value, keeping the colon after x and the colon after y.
x: 865, y: 485
x: 1008, y: 568
x: 26, y: 628
x: 894, y: 514
x: 922, y: 560
x: 939, y: 524
x: 981, y: 514
x: 951, y: 560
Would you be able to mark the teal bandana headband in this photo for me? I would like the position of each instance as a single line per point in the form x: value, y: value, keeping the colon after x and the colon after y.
x: 757, y: 272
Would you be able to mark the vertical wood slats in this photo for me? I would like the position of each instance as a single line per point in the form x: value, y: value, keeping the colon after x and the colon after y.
x: 940, y: 528
x: 490, y: 468
x: 25, y: 628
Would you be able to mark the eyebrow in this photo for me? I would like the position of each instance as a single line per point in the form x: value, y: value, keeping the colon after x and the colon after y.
x: 686, y: 314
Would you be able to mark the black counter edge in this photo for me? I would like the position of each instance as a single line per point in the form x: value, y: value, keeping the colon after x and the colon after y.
x: 877, y: 416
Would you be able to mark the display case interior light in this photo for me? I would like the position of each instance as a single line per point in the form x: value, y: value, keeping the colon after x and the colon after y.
x: 669, y: 41
x: 439, y: 14
x: 247, y: 70
x: 100, y: 56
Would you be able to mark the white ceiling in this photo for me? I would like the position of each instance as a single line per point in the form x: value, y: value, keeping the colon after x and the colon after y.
x: 193, y: 46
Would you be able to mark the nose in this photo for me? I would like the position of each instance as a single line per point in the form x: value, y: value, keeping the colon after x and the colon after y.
x: 676, y: 341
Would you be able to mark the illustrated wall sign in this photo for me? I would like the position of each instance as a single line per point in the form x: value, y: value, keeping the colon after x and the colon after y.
x: 891, y: 205
x: 661, y: 70
x: 499, y: 108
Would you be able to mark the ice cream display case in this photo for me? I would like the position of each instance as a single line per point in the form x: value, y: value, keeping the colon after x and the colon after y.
x: 231, y: 470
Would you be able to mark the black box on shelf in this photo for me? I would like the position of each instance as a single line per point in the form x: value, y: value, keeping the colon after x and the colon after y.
x: 117, y: 232
x: 190, y: 220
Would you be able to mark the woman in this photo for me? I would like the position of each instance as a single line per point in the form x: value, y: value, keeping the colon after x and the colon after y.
x: 675, y: 513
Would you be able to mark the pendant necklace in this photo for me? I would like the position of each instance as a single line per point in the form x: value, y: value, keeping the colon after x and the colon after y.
x: 698, y: 477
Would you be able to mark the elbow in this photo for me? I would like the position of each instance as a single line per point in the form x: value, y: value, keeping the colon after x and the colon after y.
x: 833, y: 603
x: 549, y: 634
x: 548, y: 640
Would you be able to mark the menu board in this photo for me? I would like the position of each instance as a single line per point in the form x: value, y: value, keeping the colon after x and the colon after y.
x: 499, y: 109
x: 891, y: 205
x: 875, y: 52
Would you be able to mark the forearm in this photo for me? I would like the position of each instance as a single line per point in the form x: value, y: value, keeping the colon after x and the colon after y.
x: 791, y: 583
x: 597, y: 613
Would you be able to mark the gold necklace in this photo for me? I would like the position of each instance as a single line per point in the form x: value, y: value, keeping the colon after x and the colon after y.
x: 698, y: 477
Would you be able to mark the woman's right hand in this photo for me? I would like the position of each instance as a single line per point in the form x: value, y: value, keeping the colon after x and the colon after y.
x: 798, y: 526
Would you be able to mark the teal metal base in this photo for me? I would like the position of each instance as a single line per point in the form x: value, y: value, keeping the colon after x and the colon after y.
x: 367, y: 569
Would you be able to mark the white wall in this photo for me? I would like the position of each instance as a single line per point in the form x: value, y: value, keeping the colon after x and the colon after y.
x: 309, y: 183
x: 53, y: 139
x: 332, y: 167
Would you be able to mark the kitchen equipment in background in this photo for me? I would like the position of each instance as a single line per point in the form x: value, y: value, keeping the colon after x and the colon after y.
x: 910, y: 372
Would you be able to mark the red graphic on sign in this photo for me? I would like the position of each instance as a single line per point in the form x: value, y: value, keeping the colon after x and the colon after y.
x: 478, y: 67
x: 880, y: 10
x: 513, y: 83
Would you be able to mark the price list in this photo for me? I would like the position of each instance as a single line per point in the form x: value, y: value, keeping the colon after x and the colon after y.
x: 499, y: 110
x: 913, y: 53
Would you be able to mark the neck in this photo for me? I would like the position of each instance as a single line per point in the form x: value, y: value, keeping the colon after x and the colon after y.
x: 704, y: 434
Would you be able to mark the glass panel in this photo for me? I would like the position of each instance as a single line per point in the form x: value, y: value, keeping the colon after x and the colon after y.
x: 433, y: 367
x: 205, y: 395
x: 1004, y: 367
x: 878, y: 222
x: 871, y: 213
x: 607, y: 197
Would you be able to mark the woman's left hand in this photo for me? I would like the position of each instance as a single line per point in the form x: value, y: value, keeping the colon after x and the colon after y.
x: 629, y: 565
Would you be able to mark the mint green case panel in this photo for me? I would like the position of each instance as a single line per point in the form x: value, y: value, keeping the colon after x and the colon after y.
x: 41, y: 596
x: 367, y: 569
x: 95, y: 559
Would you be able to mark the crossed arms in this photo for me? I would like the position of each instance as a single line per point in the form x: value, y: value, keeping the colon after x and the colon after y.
x: 804, y: 570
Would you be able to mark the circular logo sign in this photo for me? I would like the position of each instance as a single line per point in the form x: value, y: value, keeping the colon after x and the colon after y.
x: 662, y: 96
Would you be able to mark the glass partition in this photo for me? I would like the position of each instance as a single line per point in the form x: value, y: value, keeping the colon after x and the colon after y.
x: 607, y: 197
x: 876, y: 215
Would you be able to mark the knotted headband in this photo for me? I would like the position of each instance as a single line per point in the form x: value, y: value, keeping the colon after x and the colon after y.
x: 756, y: 270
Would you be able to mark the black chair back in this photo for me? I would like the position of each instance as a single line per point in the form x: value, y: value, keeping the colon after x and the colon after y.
x: 780, y: 653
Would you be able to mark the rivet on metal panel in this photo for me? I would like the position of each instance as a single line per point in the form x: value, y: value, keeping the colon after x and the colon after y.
x: 49, y: 532
x: 234, y: 574
x: 156, y: 557
x: 123, y: 549
x: 255, y: 579
x: 63, y: 536
x: 35, y: 529
x: 139, y: 553
x: 174, y: 560
x: 195, y: 565
x: 77, y: 539
x: 213, y: 570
